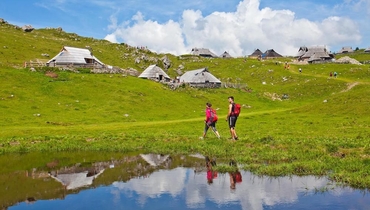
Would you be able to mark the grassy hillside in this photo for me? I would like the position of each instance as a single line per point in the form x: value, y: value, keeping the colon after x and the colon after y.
x: 32, y: 99
x: 320, y: 128
x: 360, y: 55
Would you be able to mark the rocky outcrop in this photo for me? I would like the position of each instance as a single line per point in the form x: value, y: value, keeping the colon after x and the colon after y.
x: 116, y: 70
x: 27, y: 28
x: 166, y: 62
x: 347, y: 59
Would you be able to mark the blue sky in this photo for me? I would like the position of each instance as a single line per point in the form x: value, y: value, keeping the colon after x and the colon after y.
x: 176, y: 26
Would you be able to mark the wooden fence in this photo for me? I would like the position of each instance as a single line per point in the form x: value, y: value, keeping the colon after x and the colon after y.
x: 34, y: 64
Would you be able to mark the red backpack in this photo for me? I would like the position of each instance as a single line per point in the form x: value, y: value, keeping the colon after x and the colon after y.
x: 214, y: 116
x: 236, y: 111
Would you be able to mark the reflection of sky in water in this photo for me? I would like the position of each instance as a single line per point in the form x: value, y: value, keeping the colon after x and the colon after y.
x: 181, y: 188
x: 252, y: 193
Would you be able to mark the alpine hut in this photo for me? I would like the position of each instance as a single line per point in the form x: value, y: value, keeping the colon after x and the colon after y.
x: 346, y: 50
x: 270, y: 54
x: 314, y: 54
x: 76, y: 57
x: 203, y: 52
x: 367, y: 50
x: 225, y: 55
x: 154, y: 72
x: 256, y: 54
x: 200, y: 78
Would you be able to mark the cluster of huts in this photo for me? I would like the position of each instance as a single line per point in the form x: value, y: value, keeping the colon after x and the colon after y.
x: 195, y: 78
x: 79, y: 57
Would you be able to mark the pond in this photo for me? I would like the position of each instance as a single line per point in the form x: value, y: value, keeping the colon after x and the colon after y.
x: 155, y: 181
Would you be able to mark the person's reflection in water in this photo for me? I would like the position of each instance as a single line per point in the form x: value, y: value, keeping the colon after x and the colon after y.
x: 211, y: 174
x: 235, y: 176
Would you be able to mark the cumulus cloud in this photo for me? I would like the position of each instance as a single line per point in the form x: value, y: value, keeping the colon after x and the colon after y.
x: 239, y: 32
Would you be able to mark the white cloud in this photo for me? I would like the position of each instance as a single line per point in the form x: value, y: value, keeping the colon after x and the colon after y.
x: 239, y: 32
x: 162, y: 38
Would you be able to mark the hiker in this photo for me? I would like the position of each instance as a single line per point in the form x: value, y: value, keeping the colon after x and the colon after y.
x: 210, y: 121
x: 331, y: 74
x: 231, y: 118
x: 211, y: 174
x: 235, y: 176
x: 300, y: 70
x: 335, y: 74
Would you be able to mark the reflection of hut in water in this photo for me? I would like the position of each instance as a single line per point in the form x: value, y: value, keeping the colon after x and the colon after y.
x: 156, y: 159
x: 77, y: 180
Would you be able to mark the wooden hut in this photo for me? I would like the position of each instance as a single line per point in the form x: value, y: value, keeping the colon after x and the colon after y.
x: 270, y: 54
x: 75, y: 57
x: 154, y: 72
x: 203, y: 52
x: 256, y: 54
x: 346, y: 50
x: 314, y: 54
x: 225, y: 55
x: 200, y: 78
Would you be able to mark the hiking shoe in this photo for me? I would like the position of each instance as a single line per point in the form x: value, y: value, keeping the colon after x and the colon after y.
x: 236, y: 138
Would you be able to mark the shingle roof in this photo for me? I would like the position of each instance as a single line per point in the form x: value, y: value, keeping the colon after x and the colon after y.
x: 225, y: 55
x: 271, y: 54
x: 153, y: 71
x: 367, y: 49
x: 346, y: 50
x: 256, y: 53
x: 74, y: 55
x: 302, y: 51
x: 203, y: 52
x: 317, y: 51
x: 199, y: 76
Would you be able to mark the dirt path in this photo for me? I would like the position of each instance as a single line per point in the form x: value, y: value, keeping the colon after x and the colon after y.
x: 350, y: 86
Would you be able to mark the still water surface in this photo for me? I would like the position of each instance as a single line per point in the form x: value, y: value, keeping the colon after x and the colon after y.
x: 162, y: 182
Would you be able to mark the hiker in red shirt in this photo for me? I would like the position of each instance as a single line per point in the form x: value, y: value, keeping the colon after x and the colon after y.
x: 210, y: 121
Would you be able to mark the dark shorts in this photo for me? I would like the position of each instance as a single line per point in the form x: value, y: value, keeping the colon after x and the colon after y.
x: 210, y: 125
x: 232, y: 121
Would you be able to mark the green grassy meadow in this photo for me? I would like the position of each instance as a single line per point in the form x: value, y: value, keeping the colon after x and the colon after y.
x: 321, y: 129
